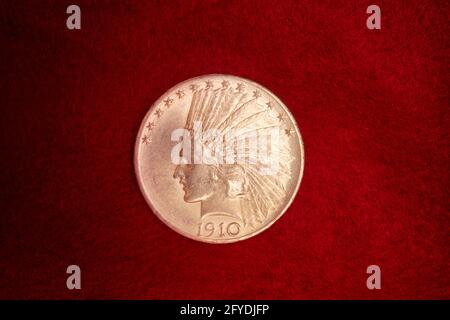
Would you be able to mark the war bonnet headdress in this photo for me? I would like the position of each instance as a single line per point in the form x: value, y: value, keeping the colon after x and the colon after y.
x: 229, y: 111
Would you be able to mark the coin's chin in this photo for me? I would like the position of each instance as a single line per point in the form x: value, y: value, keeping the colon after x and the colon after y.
x: 188, y: 198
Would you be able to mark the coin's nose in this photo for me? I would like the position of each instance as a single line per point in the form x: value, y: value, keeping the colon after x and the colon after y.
x: 178, y: 173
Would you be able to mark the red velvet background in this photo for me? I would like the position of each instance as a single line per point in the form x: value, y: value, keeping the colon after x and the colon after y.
x: 372, y: 106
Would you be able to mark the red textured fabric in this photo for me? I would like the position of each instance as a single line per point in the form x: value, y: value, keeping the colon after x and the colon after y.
x: 372, y: 107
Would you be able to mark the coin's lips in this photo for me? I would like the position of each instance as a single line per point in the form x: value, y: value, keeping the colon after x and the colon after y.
x: 138, y: 173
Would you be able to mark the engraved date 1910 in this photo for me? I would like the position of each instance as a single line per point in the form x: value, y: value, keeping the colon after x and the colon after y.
x: 222, y: 229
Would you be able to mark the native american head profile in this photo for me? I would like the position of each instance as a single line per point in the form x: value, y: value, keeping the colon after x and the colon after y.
x: 236, y: 159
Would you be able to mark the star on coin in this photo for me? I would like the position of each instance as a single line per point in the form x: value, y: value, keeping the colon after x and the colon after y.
x: 288, y: 132
x: 145, y: 140
x: 269, y: 105
x: 159, y: 113
x: 193, y: 87
x: 150, y: 125
x: 280, y: 117
x: 209, y: 84
x: 256, y: 94
x: 240, y: 87
x: 168, y: 102
x: 225, y: 84
x: 180, y: 94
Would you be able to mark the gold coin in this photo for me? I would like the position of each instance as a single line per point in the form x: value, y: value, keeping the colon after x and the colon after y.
x: 219, y: 158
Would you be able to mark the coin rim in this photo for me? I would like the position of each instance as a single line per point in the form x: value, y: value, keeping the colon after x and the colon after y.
x: 139, y: 178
